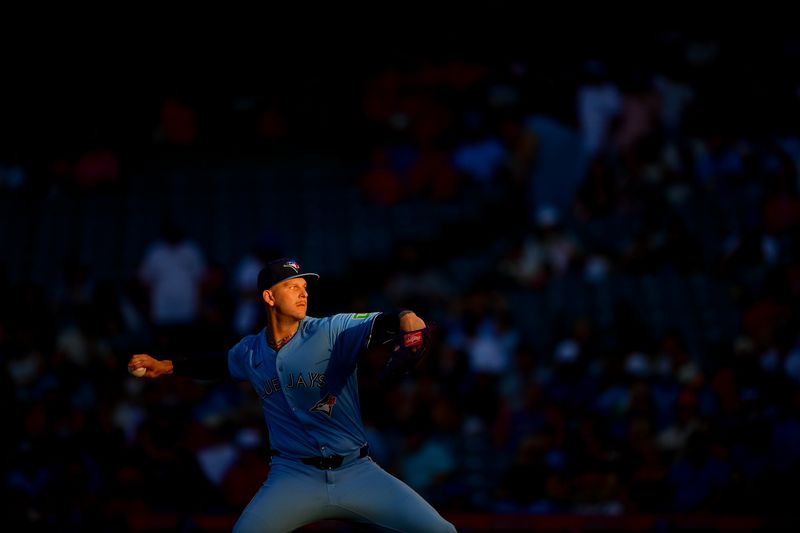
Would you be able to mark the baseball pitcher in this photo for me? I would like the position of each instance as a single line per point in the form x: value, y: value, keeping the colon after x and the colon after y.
x: 304, y: 372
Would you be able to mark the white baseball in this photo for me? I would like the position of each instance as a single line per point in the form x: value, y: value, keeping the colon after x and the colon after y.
x: 138, y: 372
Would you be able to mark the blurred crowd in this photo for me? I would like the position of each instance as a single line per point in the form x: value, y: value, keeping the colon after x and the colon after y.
x: 616, y: 297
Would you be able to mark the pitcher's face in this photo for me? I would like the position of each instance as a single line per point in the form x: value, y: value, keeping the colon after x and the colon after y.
x: 288, y: 298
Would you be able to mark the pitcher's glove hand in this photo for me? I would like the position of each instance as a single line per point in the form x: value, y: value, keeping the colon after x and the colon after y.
x: 407, y: 349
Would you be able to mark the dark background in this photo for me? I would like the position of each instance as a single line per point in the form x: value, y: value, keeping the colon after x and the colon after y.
x: 636, y: 357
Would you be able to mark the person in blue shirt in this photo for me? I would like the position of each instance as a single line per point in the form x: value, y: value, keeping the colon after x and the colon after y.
x: 303, y: 369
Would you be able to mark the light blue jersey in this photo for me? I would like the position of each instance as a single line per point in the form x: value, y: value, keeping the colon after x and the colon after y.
x: 309, y: 389
x: 309, y: 395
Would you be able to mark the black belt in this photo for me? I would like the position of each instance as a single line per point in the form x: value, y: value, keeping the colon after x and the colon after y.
x: 326, y: 463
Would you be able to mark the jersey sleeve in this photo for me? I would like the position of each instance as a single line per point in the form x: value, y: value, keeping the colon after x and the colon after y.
x: 350, y: 335
x: 147, y: 268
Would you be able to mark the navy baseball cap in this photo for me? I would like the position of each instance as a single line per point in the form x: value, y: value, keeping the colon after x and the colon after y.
x: 281, y: 270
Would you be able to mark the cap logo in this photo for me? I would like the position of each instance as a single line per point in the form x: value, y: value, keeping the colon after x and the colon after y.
x: 280, y: 270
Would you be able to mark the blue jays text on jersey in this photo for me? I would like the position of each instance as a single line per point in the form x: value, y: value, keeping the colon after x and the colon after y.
x: 309, y: 388
x: 312, y: 379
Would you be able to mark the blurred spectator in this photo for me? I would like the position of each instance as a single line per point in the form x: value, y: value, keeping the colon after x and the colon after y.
x: 173, y: 269
x: 273, y: 123
x: 433, y: 176
x: 382, y: 184
x: 97, y: 168
x: 493, y: 344
x: 481, y: 154
x: 675, y: 93
x: 648, y: 488
x: 178, y: 123
x: 12, y: 177
x: 718, y: 161
x: 596, y: 196
x: 520, y: 377
x: 216, y: 306
x: 248, y: 314
x: 639, y: 112
x: 700, y: 477
x: 74, y: 290
x: 782, y: 203
x: 599, y: 101
x: 674, y: 438
x: 415, y: 282
x: 549, y: 252
x: 558, y: 167
x: 243, y: 477
x: 216, y: 450
x: 427, y: 463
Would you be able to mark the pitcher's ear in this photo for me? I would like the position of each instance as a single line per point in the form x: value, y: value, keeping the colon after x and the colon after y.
x: 267, y: 297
